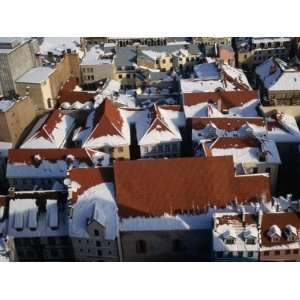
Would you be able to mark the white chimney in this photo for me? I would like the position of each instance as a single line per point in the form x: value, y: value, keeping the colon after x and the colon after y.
x: 260, y: 217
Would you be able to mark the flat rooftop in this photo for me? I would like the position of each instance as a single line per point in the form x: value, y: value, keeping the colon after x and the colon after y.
x: 35, y: 75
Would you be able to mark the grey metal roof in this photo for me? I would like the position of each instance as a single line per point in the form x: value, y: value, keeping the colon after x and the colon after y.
x: 35, y: 75
x: 155, y: 76
x: 125, y: 57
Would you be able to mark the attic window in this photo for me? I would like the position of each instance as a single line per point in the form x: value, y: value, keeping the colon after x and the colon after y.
x: 229, y: 241
x: 141, y: 246
x: 250, y: 241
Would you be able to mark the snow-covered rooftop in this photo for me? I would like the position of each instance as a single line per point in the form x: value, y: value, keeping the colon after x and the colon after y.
x: 27, y: 220
x: 53, y: 133
x: 36, y: 75
x: 96, y: 56
x: 6, y: 104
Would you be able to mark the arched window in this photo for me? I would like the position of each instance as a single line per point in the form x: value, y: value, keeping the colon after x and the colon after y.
x: 141, y: 246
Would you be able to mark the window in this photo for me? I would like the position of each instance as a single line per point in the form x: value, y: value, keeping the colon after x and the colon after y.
x: 120, y: 76
x: 120, y: 149
x: 79, y: 241
x: 163, y: 61
x: 229, y: 241
x: 219, y: 254
x: 240, y: 254
x: 49, y: 103
x: 109, y: 252
x: 88, y: 250
x: 51, y: 241
x: 128, y: 76
x: 167, y: 148
x: 287, y: 252
x: 92, y: 77
x: 54, y: 252
x: 250, y: 241
x: 230, y: 254
x: 277, y: 252
x: 157, y: 61
x: 98, y: 244
x: 140, y: 246
x: 250, y: 254
x: 268, y: 170
x: 83, y: 69
x: 160, y: 148
x: 80, y: 250
x: 96, y: 232
x: 177, y: 245
x: 99, y: 252
x: 174, y: 147
x: 266, y: 253
x: 254, y: 170
x: 295, y: 251
x: 20, y: 254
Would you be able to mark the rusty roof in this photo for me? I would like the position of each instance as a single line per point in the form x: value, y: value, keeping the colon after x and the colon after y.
x: 67, y: 93
x: 87, y: 178
x: 227, y: 124
x: 107, y: 120
x: 155, y: 187
x: 228, y: 99
x: 281, y: 220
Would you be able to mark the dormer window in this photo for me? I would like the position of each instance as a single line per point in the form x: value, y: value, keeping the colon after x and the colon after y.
x: 290, y: 233
x: 229, y: 237
x: 274, y: 233
x: 251, y: 241
x: 230, y: 241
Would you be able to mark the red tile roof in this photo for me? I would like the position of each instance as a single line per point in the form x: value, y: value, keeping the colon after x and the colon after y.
x: 155, y: 187
x: 281, y: 220
x: 89, y: 177
x: 228, y: 99
x: 233, y: 142
x: 67, y: 93
x: 107, y: 120
x: 228, y: 124
x: 50, y: 124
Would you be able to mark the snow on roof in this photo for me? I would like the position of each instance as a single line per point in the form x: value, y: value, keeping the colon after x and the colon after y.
x: 111, y: 86
x: 283, y: 128
x: 207, y: 71
x: 96, y: 204
x: 53, y: 133
x: 274, y: 230
x: 246, y: 150
x: 58, y: 45
x: 205, y: 127
x: 209, y: 108
x: 270, y: 71
x: 36, y: 75
x: 6, y: 104
x: 234, y: 227
x: 96, y: 56
x: 26, y: 220
x: 236, y: 75
x: 51, y: 163
x: 108, y: 127
x: 270, y: 39
x: 167, y: 222
x: 161, y: 129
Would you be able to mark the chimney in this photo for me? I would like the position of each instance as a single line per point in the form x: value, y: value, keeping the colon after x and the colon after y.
x: 215, y: 222
x: 262, y: 156
x: 260, y: 217
x: 289, y: 198
x: 11, y: 192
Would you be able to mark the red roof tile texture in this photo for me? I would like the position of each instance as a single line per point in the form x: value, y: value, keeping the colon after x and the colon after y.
x: 107, y: 120
x: 155, y: 187
x: 89, y: 177
x: 228, y: 99
x: 67, y: 93
x: 281, y: 220
x: 228, y: 124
